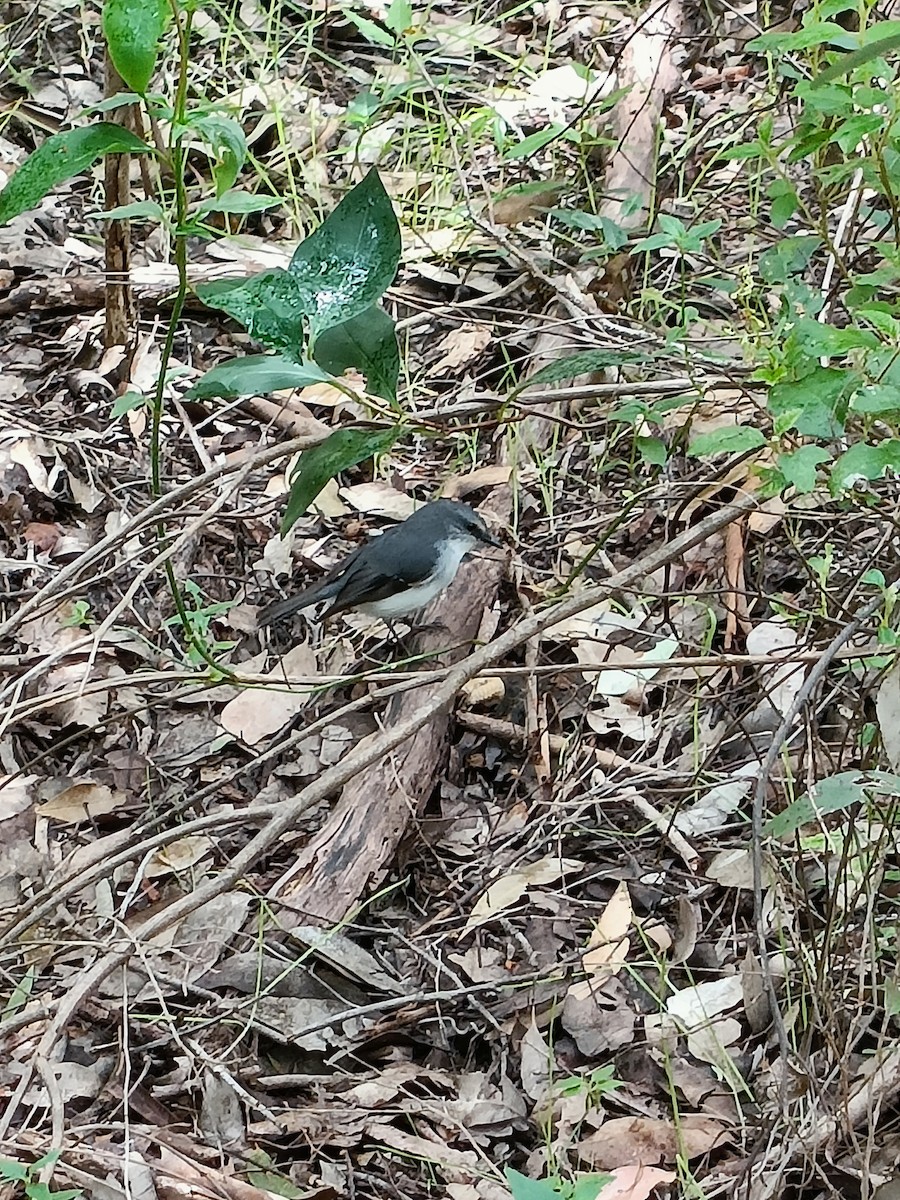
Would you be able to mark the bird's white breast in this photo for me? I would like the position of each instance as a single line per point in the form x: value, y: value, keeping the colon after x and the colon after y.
x: 453, y: 551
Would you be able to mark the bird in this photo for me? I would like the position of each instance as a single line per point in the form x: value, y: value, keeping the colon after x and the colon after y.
x: 401, y: 571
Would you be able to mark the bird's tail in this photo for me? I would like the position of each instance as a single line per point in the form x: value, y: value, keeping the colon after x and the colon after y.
x: 292, y: 604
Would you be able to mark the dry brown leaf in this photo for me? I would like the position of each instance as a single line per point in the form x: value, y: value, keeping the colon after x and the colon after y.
x: 458, y: 486
x: 179, y: 855
x: 536, y: 1064
x: 505, y: 891
x: 258, y: 712
x: 16, y: 794
x: 82, y: 801
x: 41, y: 535
x: 607, y: 949
x: 461, y: 346
x: 380, y: 498
x: 486, y: 689
x: 645, y: 1141
x: 635, y: 1183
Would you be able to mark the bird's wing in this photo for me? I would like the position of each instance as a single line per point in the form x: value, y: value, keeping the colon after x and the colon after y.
x: 379, y: 573
x: 325, y: 589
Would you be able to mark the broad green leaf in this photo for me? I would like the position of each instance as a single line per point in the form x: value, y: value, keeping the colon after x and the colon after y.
x: 652, y: 450
x: 399, y: 16
x: 817, y: 339
x: 876, y: 399
x: 817, y: 33
x: 126, y: 403
x: 589, y: 1187
x: 347, y: 264
x: 132, y: 29
x: 785, y: 202
x: 270, y: 306
x: 731, y: 440
x: 367, y: 342
x: 315, y: 466
x: 523, y: 1188
x: 59, y: 158
x: 128, y: 212
x: 226, y: 140
x: 816, y: 404
x: 865, y: 462
x: 12, y: 1169
x: 833, y: 795
x: 851, y: 132
x: 255, y: 375
x: 583, y: 363
x: 237, y: 202
x: 272, y: 1181
x: 748, y: 150
x: 799, y: 466
x: 857, y: 58
x: 372, y: 32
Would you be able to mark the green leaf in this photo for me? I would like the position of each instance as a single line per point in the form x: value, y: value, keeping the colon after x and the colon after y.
x: 589, y: 1187
x: 59, y: 158
x: 270, y: 1181
x: 41, y: 1191
x: 255, y: 375
x: 817, y: 339
x: 799, y: 467
x: 336, y: 274
x: 132, y: 29
x: 817, y: 33
x: 833, y: 795
x: 876, y: 399
x: 367, y: 342
x: 399, y: 16
x: 865, y: 462
x: 583, y: 363
x: 785, y: 202
x: 652, y: 450
x: 271, y: 307
x: 372, y: 32
x: 347, y: 264
x: 859, y: 57
x: 234, y: 201
x: 226, y: 140
x: 732, y: 440
x: 11, y: 1169
x: 21, y: 992
x: 315, y: 466
x: 523, y: 1188
x: 127, y: 212
x: 47, y: 1160
x: 817, y: 404
x: 126, y: 403
x: 534, y: 142
x: 749, y: 150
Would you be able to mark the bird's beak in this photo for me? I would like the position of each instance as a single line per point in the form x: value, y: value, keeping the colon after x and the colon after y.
x: 490, y: 540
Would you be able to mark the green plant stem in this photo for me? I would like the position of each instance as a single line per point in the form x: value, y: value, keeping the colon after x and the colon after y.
x: 182, y: 23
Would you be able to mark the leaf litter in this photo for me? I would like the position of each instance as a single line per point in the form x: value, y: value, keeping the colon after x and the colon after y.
x: 538, y: 974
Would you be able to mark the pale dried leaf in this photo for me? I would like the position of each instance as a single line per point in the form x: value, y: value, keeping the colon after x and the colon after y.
x: 505, y: 891
x: 645, y: 1141
x: 258, y: 712
x: 536, y: 1063
x: 635, y: 1183
x: 179, y: 855
x: 461, y: 346
x: 380, y: 499
x: 82, y: 801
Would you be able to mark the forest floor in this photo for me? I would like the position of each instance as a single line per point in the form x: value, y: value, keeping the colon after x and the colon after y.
x: 589, y: 889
